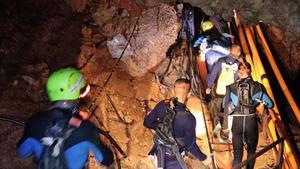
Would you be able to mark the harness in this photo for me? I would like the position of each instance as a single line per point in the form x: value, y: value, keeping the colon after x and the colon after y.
x: 166, y: 142
x: 59, y: 129
x: 246, y: 105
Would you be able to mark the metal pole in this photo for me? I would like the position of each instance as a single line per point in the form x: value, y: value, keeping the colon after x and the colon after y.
x: 261, y: 152
x: 208, y: 140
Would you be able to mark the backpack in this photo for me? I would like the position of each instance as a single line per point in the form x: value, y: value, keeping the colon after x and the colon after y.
x: 221, y: 26
x: 245, y: 92
x: 226, y: 77
x: 53, y: 156
x: 164, y: 131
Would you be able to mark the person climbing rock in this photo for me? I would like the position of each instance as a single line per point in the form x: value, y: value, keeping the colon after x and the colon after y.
x: 175, y: 130
x: 222, y: 74
x: 245, y: 94
x: 187, y: 30
x: 58, y: 137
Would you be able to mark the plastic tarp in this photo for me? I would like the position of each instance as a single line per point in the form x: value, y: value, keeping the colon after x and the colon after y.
x: 117, y: 45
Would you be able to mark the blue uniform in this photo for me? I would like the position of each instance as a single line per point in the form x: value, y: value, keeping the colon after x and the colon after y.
x: 183, y: 127
x: 84, y: 139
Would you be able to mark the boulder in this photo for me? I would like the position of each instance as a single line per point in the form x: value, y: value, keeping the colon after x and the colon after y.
x: 157, y: 29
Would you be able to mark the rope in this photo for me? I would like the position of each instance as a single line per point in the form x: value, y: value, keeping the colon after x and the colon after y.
x: 113, y: 69
x: 9, y: 119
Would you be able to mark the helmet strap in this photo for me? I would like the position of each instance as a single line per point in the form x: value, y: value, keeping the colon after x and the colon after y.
x: 70, y: 105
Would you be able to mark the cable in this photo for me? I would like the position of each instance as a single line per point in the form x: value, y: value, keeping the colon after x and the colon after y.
x: 113, y: 69
x: 10, y: 119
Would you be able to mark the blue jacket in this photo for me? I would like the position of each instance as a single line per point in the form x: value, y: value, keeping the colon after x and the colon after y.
x: 183, y: 126
x: 85, y: 138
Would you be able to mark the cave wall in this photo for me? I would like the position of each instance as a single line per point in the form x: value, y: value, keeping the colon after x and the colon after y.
x: 40, y: 36
x: 34, y: 32
x: 49, y: 32
x: 280, y: 15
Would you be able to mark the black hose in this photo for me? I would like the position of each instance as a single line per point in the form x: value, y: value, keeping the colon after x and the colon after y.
x: 11, y: 119
x: 113, y: 142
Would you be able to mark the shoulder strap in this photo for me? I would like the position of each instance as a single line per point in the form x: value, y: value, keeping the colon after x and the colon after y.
x: 261, y: 91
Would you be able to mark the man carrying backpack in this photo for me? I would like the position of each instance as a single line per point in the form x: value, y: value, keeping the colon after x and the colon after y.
x: 222, y: 74
x: 58, y: 138
x: 175, y: 129
x: 245, y: 94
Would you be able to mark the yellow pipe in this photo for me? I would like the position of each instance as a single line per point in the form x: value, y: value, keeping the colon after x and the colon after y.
x: 277, y: 73
x: 289, y: 155
x: 291, y: 150
x: 281, y: 132
x: 258, y: 66
x: 245, y: 46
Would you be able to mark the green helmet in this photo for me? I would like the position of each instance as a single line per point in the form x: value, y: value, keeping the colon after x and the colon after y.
x: 65, y: 84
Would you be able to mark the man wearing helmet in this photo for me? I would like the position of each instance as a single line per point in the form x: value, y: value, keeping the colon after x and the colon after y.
x: 64, y: 87
x: 213, y: 45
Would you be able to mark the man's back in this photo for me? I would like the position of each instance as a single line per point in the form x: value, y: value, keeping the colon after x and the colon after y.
x: 76, y: 147
x: 223, y: 74
x: 183, y: 121
x: 184, y: 125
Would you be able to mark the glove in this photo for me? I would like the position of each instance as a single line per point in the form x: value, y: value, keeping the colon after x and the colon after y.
x: 224, y: 134
x: 260, y: 109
